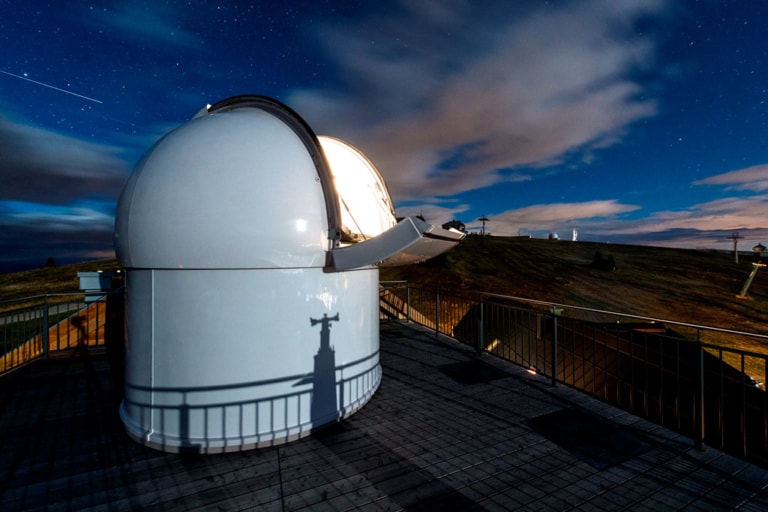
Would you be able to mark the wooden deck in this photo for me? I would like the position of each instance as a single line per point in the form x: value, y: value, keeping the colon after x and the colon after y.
x: 445, y: 431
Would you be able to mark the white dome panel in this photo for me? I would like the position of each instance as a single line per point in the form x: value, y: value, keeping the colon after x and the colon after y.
x: 236, y: 189
x: 365, y: 203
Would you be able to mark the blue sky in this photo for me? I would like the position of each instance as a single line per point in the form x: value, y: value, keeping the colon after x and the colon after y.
x: 639, y: 121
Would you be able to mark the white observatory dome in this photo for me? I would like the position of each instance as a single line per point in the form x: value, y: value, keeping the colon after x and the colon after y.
x: 209, y: 192
x: 251, y: 250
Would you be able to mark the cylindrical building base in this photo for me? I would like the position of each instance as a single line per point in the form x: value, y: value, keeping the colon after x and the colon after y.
x: 228, y: 360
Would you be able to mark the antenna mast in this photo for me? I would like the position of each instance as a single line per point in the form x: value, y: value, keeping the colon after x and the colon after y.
x: 735, y: 237
x: 483, y: 219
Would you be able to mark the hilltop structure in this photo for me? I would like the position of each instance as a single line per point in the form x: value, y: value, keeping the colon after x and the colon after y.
x: 237, y: 231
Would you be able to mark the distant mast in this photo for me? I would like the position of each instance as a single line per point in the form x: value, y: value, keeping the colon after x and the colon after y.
x: 735, y: 237
x: 483, y: 219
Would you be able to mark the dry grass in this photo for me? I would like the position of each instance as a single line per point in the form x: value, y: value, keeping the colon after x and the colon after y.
x: 698, y: 287
x: 48, y: 280
x: 690, y: 286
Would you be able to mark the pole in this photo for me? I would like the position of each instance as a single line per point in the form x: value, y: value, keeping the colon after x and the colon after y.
x: 699, y: 435
x: 755, y: 268
x: 46, y: 341
x: 408, y: 304
x: 555, y: 313
x: 480, y: 333
x: 735, y: 237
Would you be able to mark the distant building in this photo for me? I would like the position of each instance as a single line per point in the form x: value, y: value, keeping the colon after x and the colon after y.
x: 757, y: 253
x: 455, y: 224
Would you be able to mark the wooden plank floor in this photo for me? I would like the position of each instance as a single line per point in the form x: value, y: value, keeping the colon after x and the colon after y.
x: 445, y: 431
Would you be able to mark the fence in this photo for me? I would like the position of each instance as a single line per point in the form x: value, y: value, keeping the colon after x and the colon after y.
x: 682, y: 376
x: 53, y: 324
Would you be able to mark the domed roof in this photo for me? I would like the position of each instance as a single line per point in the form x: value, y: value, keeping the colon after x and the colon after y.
x: 242, y: 185
x: 246, y: 184
x: 366, y: 206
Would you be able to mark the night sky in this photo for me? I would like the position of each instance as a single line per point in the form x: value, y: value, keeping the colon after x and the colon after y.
x: 633, y: 121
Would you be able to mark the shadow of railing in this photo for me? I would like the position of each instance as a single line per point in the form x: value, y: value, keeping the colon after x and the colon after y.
x: 234, y: 417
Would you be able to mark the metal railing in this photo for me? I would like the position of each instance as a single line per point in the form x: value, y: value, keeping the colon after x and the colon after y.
x: 697, y: 380
x: 704, y: 382
x: 55, y: 323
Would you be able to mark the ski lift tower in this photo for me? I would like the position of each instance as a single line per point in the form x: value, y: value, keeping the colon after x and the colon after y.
x: 483, y: 219
x: 735, y: 237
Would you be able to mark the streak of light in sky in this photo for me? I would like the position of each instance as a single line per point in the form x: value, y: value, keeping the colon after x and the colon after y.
x: 51, y: 86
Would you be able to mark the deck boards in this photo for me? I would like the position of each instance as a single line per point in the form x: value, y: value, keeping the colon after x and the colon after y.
x: 443, y: 432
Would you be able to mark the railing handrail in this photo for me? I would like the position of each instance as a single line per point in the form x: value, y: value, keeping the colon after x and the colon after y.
x: 601, y: 311
x: 38, y: 297
x: 630, y: 315
x: 46, y: 296
x: 699, y: 392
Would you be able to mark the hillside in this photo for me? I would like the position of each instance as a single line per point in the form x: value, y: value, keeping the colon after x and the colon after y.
x: 46, y: 280
x: 674, y: 284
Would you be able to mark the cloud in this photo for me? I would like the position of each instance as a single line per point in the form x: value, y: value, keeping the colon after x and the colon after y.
x: 34, y: 217
x: 445, y: 98
x: 42, y: 166
x: 57, y: 196
x: 31, y: 233
x: 434, y: 213
x: 704, y: 225
x: 708, y: 224
x: 731, y: 213
x: 753, y: 178
x: 683, y: 238
x: 553, y: 217
x: 157, y: 24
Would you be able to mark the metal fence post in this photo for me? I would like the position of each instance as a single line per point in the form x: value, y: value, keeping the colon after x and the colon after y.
x: 437, y: 311
x: 743, y: 409
x: 480, y: 330
x: 699, y: 417
x: 765, y: 406
x: 555, y: 313
x: 45, y: 329
x: 408, y: 303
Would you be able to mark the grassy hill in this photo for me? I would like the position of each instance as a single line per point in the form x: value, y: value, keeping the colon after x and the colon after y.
x: 690, y: 286
x: 46, y: 280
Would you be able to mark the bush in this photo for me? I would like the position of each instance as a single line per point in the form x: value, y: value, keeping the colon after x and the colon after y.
x: 606, y: 263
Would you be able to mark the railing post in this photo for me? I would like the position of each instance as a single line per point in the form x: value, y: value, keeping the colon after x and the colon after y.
x: 408, y: 303
x: 743, y: 408
x: 437, y: 312
x: 699, y: 419
x: 765, y: 404
x: 480, y: 329
x: 555, y: 313
x: 45, y: 329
